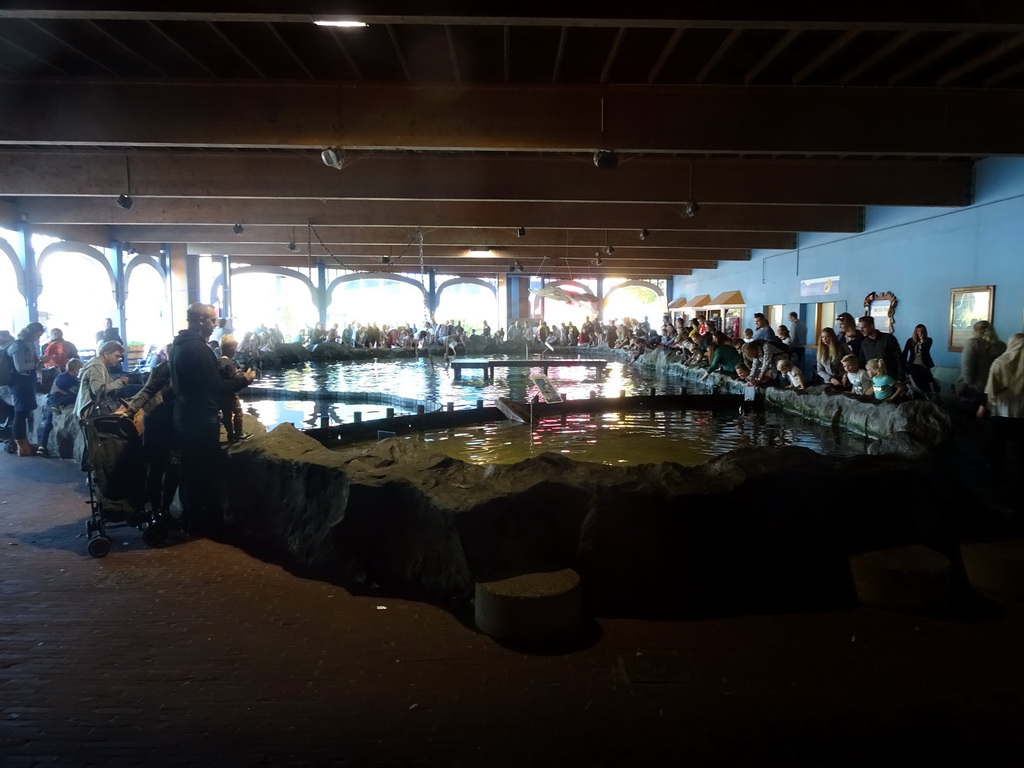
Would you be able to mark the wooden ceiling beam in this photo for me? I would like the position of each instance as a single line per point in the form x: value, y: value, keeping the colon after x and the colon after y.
x: 445, y: 214
x: 544, y: 118
x: 341, y: 250
x: 704, y: 14
x: 495, y: 177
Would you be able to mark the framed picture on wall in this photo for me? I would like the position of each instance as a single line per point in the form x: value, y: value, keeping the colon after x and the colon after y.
x: 966, y: 307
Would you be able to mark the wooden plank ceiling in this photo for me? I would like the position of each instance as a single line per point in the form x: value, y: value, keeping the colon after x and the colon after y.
x: 479, y: 132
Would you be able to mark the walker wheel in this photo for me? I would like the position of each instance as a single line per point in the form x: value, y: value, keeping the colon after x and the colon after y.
x: 154, y: 535
x: 99, y: 547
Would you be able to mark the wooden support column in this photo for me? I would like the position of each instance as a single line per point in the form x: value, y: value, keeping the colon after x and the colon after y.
x: 431, y: 294
x: 27, y: 256
x: 120, y: 290
x: 321, y: 293
x: 178, y: 275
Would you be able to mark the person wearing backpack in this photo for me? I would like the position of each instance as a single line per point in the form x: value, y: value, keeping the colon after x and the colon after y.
x: 23, y: 353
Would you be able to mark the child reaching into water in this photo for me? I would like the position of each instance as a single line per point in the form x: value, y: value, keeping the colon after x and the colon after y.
x: 856, y: 378
x: 885, y: 386
x: 791, y: 374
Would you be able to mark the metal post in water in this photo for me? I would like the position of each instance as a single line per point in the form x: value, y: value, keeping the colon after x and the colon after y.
x: 622, y: 394
x: 390, y: 413
x: 357, y: 417
x: 450, y: 407
x: 653, y: 392
x: 479, y: 404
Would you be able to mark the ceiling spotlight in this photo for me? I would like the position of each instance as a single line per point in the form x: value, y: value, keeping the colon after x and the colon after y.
x: 238, y: 229
x: 598, y: 262
x: 644, y: 234
x: 609, y: 249
x: 125, y: 202
x: 385, y: 259
x: 605, y: 158
x: 521, y: 232
x: 692, y: 209
x: 292, y: 246
x: 333, y: 157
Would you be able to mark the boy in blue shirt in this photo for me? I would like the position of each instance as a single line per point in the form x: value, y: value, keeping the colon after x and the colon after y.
x: 63, y: 393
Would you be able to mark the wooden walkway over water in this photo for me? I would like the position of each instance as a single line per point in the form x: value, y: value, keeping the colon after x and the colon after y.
x: 488, y: 366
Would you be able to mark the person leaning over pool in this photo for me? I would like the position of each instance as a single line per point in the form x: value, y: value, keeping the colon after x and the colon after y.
x: 831, y: 352
x: 724, y: 358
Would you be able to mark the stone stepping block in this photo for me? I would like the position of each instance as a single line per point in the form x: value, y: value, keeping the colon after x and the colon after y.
x: 531, y: 608
x: 913, y: 579
x: 995, y: 568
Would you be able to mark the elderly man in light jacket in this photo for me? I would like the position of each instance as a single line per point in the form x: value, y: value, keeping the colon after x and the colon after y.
x: 97, y: 383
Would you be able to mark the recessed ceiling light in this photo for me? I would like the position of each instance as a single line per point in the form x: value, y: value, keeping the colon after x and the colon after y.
x: 339, y: 23
x: 482, y: 253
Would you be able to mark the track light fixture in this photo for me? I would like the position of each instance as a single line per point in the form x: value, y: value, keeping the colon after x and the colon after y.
x: 609, y: 249
x: 515, y: 267
x: 385, y: 259
x: 598, y: 262
x: 333, y: 157
x: 644, y: 234
x: 238, y: 229
x: 125, y: 202
x: 292, y: 246
x: 606, y: 158
x: 521, y: 232
x: 692, y: 209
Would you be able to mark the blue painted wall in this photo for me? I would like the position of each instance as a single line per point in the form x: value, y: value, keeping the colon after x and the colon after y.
x: 918, y: 254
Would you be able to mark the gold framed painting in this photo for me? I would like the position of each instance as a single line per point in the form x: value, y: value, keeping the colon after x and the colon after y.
x: 966, y: 307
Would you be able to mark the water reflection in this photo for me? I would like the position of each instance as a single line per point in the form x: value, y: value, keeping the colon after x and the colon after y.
x: 689, y: 437
x: 427, y: 380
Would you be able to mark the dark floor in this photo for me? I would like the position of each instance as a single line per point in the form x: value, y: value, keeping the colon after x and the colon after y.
x: 199, y: 654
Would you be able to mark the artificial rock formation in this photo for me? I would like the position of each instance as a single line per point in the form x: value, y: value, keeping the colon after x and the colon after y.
x: 648, y: 539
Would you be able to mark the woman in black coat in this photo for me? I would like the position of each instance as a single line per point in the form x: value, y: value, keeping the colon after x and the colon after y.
x: 917, y: 353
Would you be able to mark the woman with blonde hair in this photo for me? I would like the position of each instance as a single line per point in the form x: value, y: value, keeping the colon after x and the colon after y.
x: 1004, y: 391
x: 976, y: 359
x: 831, y: 351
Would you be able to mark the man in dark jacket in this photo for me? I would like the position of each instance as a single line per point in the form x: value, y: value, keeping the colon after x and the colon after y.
x: 199, y: 390
x: 883, y: 346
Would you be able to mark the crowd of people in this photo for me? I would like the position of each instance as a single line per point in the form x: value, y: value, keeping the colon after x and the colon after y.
x: 193, y: 381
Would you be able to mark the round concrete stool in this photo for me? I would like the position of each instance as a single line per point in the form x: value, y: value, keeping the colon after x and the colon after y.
x: 912, y: 579
x: 531, y: 608
x: 995, y: 568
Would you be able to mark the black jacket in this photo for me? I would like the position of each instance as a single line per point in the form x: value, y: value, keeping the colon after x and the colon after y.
x: 199, y: 389
x: 926, y: 352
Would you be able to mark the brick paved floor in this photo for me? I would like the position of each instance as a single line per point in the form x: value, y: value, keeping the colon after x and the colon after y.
x: 200, y: 654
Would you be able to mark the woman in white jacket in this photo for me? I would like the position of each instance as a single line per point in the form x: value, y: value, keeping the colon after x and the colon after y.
x: 1005, y: 402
